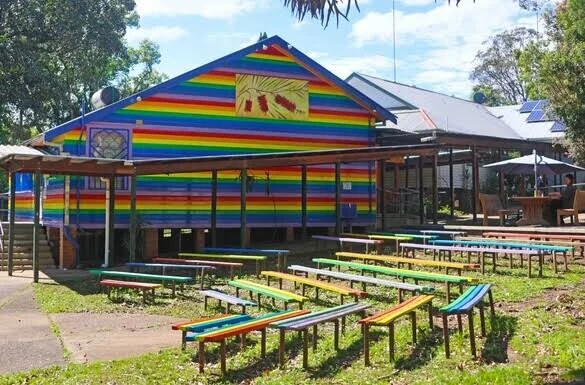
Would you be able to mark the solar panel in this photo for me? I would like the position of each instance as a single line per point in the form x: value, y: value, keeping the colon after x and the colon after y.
x: 535, y: 116
x: 528, y: 106
x: 541, y: 105
x: 558, y: 127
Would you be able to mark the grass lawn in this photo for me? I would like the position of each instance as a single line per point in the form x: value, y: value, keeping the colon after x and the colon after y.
x: 537, y: 337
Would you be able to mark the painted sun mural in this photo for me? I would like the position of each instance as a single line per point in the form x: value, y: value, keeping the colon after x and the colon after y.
x: 270, y: 97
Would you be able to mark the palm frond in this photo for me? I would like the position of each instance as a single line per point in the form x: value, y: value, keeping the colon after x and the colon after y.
x: 321, y: 9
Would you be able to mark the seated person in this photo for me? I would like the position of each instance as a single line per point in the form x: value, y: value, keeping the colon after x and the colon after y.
x: 567, y: 197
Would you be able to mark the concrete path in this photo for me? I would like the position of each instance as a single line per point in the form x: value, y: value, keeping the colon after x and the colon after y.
x: 26, y: 339
x: 95, y: 337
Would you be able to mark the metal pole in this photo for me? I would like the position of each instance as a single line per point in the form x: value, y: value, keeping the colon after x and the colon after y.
x: 243, y: 195
x: 304, y: 201
x: 451, y: 185
x: 12, y: 222
x: 133, y: 219
x: 37, y: 223
x: 338, y: 197
x: 421, y: 190
x: 214, y: 208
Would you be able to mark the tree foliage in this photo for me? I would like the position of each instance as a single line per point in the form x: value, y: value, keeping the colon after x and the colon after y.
x: 492, y: 97
x: 497, y: 65
x: 53, y: 53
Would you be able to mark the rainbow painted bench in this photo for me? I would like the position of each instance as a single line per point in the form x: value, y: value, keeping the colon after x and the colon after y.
x: 400, y: 261
x: 304, y: 282
x: 302, y: 324
x: 388, y: 317
x: 262, y: 290
x: 172, y: 280
x: 281, y: 254
x: 401, y: 273
x: 346, y: 240
x: 136, y: 266
x: 257, y: 259
x: 227, y: 298
x: 363, y: 279
x: 464, y: 304
x: 231, y: 266
x: 219, y: 328
x: 147, y: 289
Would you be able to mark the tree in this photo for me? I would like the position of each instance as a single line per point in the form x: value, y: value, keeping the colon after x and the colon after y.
x: 144, y: 58
x: 562, y: 73
x: 492, y: 97
x: 497, y: 64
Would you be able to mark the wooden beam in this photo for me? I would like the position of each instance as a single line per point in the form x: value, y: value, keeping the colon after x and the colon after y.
x: 304, y: 202
x: 435, y: 188
x: 243, y: 214
x: 338, y: 198
x: 451, y: 185
x: 214, y: 208
x: 421, y: 191
x: 133, y: 220
x: 38, y: 179
x: 474, y: 183
x: 12, y: 222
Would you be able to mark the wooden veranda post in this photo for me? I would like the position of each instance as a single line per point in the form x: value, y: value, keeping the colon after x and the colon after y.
x: 36, y: 223
x: 213, y: 219
x: 243, y: 197
x: 112, y: 210
x: 338, y: 229
x: 435, y: 187
x: 382, y: 194
x: 11, y: 222
x: 133, y: 220
x: 451, y: 185
x: 474, y: 182
x: 421, y: 190
x: 304, y: 201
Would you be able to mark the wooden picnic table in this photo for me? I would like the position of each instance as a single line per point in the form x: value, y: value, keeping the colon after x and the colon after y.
x: 532, y: 210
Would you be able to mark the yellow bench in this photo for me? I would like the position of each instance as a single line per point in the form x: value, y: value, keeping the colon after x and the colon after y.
x: 304, y: 281
x: 410, y: 261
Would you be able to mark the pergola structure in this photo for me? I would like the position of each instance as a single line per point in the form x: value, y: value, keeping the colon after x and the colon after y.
x: 40, y: 165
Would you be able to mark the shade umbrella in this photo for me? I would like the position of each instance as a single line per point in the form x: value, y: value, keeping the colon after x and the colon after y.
x: 533, y: 163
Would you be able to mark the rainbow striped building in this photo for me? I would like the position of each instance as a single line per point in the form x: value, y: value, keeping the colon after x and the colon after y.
x: 266, y: 98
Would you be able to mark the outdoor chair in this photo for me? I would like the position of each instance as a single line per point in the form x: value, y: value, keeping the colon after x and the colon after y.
x: 491, y: 205
x: 578, y: 205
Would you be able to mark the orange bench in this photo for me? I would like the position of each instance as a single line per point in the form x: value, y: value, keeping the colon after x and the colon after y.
x: 145, y: 288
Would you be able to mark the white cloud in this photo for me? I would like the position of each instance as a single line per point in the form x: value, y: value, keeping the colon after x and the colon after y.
x: 446, y: 38
x: 159, y: 34
x: 242, y: 39
x: 216, y: 9
x: 344, y: 66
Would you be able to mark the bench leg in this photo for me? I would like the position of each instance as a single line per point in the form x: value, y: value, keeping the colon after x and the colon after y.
x: 482, y: 262
x: 144, y: 294
x: 431, y: 315
x: 336, y: 334
x: 459, y: 324
x: 391, y: 342
x: 315, y: 337
x: 281, y: 348
x: 228, y: 307
x: 305, y: 349
x: 413, y: 321
x: 471, y: 334
x: 205, y: 302
x: 242, y: 341
x: 448, y: 292
x: 529, y: 266
x: 565, y: 259
x: 494, y: 262
x: 540, y: 263
x: 243, y: 309
x: 183, y: 339
x: 491, y: 300
x: 399, y: 295
x: 201, y: 356
x: 482, y: 318
x: 366, y: 329
x: 446, y: 335
x: 342, y: 325
x: 259, y: 300
x: 263, y: 343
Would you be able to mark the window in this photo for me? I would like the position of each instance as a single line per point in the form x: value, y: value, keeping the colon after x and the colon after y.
x: 109, y: 144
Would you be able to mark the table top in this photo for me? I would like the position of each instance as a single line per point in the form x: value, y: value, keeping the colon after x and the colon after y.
x: 539, y: 199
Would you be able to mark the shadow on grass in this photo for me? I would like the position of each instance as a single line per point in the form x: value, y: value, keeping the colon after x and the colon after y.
x: 577, y: 377
x: 502, y: 329
x: 423, y: 352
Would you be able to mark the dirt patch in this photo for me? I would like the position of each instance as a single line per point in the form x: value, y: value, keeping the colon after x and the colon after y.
x: 94, y: 337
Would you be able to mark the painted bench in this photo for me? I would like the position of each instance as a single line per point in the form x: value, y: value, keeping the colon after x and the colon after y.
x: 164, y: 266
x: 421, y: 237
x: 346, y: 240
x: 445, y: 251
x: 217, y: 330
x: 464, y: 304
x: 400, y: 261
x: 231, y: 266
x: 384, y: 238
x: 227, y: 298
x: 363, y: 279
x: 302, y: 324
x: 548, y: 249
x: 146, y: 288
x: 417, y: 276
x: 271, y: 292
x: 579, y: 240
x: 257, y: 259
x: 388, y: 317
x: 281, y: 254
x: 304, y: 282
x: 173, y: 280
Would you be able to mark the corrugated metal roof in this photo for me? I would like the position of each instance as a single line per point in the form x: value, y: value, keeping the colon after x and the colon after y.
x: 6, y: 149
x: 449, y: 114
x: 512, y: 116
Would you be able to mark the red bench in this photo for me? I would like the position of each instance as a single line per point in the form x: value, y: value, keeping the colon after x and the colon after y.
x: 145, y: 288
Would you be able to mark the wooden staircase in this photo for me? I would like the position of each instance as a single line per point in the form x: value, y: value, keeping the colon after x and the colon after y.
x: 23, y: 248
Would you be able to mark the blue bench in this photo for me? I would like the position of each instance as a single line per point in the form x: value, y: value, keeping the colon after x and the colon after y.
x: 281, y: 254
x: 553, y: 249
x: 302, y: 324
x: 227, y: 298
x: 464, y: 304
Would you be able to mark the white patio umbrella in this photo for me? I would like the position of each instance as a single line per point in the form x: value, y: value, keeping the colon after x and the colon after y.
x: 533, y: 163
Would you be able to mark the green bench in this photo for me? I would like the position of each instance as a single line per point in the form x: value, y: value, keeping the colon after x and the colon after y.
x: 173, y: 280
x: 230, y: 257
x: 267, y: 291
x: 401, y: 273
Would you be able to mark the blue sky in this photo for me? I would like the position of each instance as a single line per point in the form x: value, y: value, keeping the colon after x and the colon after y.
x: 436, y: 43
